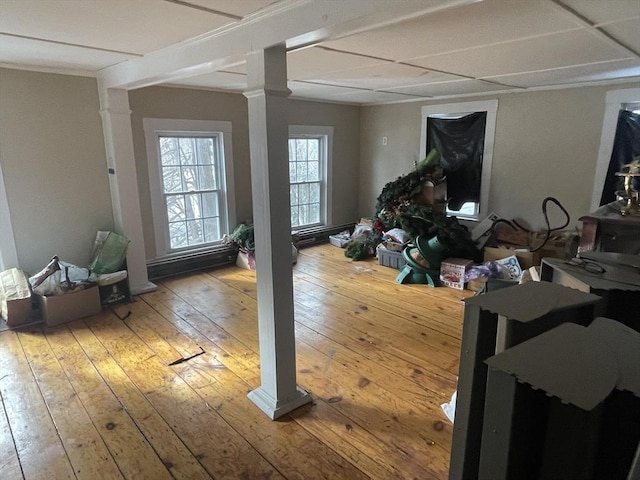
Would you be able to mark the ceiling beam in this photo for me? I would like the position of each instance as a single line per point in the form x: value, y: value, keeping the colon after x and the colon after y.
x: 293, y: 22
x: 598, y: 31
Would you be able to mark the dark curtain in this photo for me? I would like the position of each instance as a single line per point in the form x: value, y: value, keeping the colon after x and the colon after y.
x: 626, y: 147
x: 460, y: 142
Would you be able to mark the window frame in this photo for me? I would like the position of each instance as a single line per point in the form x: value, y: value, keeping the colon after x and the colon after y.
x: 462, y: 108
x: 154, y: 128
x: 325, y: 134
x: 615, y: 99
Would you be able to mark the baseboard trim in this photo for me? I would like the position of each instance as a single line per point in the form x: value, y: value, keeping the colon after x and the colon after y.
x: 169, y: 267
x: 226, y: 255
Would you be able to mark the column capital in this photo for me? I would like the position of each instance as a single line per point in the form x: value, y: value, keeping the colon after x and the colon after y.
x: 267, y: 69
x: 266, y: 92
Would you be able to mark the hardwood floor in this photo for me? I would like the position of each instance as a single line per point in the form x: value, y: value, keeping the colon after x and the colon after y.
x: 98, y: 399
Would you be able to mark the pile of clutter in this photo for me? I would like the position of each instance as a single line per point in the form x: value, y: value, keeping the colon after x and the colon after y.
x: 64, y: 291
x: 508, y: 256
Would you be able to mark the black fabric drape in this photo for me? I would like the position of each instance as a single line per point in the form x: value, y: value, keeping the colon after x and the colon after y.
x: 460, y: 142
x: 626, y: 147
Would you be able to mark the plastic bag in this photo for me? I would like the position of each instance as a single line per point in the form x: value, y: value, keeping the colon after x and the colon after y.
x: 60, y: 277
x: 47, y: 281
x: 109, y: 252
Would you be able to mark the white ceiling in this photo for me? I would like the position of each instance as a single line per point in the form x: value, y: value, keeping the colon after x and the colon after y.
x: 355, y: 51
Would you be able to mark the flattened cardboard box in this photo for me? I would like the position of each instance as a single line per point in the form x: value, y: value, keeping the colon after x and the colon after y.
x: 15, y: 297
x: 65, y: 308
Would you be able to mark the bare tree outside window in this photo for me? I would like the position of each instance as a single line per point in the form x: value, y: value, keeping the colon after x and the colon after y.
x: 305, y: 180
x: 190, y: 169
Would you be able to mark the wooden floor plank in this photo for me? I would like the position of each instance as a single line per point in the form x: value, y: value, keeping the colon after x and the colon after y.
x: 440, y: 307
x: 234, y: 354
x: 399, y: 420
x: 170, y: 448
x: 284, y: 444
x: 9, y: 463
x: 393, y: 420
x: 377, y: 357
x: 216, y: 445
x: 85, y: 447
x: 40, y: 450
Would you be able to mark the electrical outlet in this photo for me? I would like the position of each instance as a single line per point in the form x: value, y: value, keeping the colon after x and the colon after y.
x: 384, y: 140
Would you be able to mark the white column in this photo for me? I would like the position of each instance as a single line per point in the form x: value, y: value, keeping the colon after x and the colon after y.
x: 123, y: 182
x: 267, y: 95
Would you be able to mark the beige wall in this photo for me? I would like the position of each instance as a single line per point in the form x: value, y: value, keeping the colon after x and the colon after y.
x: 546, y: 144
x: 53, y: 159
x: 346, y: 151
x: 175, y: 103
x: 54, y: 167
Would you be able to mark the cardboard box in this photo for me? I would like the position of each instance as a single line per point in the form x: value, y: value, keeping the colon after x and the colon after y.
x: 526, y: 258
x: 65, y: 308
x: 15, y: 297
x: 432, y: 193
x: 452, y: 272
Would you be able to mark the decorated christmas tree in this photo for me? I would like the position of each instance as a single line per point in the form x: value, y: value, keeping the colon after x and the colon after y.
x: 401, y: 205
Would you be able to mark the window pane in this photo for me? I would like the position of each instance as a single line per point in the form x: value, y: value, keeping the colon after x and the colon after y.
x: 301, y: 149
x: 292, y: 172
x: 314, y: 193
x: 314, y: 213
x: 301, y: 171
x: 304, y: 194
x: 207, y: 177
x: 295, y: 219
x: 189, y: 179
x: 313, y: 171
x: 171, y: 179
x: 293, y: 192
x: 175, y: 208
x: 178, y: 234
x: 187, y: 155
x: 314, y: 146
x: 169, y: 151
x: 210, y: 204
x: 205, y: 151
x: 195, y: 232
x: 292, y: 150
x: 468, y: 208
x: 193, y: 208
x: 212, y: 229
x: 304, y: 215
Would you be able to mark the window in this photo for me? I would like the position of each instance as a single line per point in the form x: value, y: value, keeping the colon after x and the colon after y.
x: 471, y: 210
x: 626, y: 99
x: 309, y: 160
x: 190, y: 178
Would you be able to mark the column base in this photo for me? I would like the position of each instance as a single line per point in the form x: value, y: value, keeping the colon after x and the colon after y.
x: 143, y: 288
x: 275, y: 409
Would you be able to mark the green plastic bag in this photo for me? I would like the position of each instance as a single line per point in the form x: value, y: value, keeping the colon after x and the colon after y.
x: 109, y: 252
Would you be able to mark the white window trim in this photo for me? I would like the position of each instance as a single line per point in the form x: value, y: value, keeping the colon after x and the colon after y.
x: 8, y: 252
x: 614, y: 100
x: 326, y: 187
x: 153, y: 127
x: 489, y: 106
